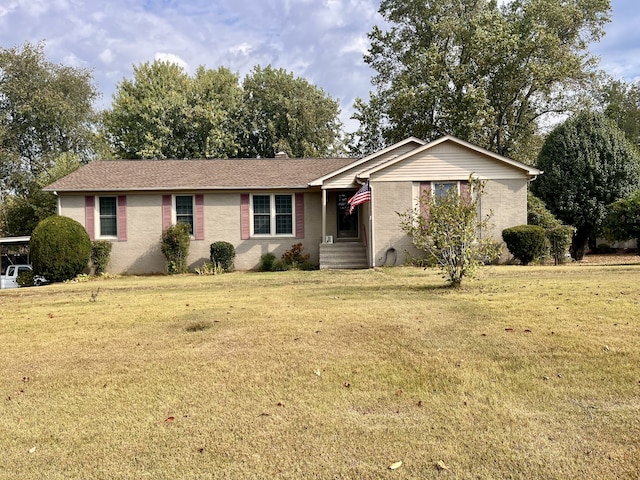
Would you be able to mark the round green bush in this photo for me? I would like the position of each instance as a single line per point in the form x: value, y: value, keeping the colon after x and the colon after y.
x: 526, y: 242
x: 60, y: 248
x: 223, y: 254
x: 267, y: 261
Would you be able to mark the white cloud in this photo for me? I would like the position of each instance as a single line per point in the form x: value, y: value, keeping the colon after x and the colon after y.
x: 172, y: 58
x: 106, y: 56
x: 241, y: 49
x: 358, y: 44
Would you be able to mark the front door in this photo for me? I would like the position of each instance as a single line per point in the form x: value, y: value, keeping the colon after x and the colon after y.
x: 347, y: 222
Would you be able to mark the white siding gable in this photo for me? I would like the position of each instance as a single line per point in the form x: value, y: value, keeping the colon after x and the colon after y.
x: 447, y: 161
x: 347, y: 178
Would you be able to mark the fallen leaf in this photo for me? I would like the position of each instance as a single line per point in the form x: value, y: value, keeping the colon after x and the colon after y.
x: 317, y: 372
x: 441, y: 465
x: 32, y: 450
x: 395, y: 466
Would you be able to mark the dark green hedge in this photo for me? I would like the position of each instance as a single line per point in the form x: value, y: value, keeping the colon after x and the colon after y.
x: 525, y: 242
x: 60, y: 248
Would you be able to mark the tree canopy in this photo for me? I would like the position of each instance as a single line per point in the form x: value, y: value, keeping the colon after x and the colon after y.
x: 46, y: 111
x: 588, y: 164
x: 621, y: 103
x: 163, y: 112
x: 285, y: 113
x: 470, y: 68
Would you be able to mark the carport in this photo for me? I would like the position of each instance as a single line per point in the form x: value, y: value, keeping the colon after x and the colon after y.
x: 14, y: 251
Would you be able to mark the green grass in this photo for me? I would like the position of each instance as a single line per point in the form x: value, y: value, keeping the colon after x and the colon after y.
x: 526, y: 373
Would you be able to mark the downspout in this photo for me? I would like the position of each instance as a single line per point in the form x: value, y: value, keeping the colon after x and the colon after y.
x: 324, y: 215
x: 372, y: 237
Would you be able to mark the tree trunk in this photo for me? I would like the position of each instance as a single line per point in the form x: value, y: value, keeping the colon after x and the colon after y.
x: 579, y: 244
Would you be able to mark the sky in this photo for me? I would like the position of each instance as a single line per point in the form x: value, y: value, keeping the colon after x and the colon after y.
x: 320, y: 40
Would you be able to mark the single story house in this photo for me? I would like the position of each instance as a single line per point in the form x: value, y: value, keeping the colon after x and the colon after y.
x: 267, y: 205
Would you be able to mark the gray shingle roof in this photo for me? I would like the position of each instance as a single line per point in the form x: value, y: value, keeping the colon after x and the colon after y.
x: 127, y: 175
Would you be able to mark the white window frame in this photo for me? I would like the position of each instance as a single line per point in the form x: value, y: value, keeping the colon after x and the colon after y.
x: 432, y: 191
x: 272, y: 216
x: 174, y: 210
x: 97, y: 217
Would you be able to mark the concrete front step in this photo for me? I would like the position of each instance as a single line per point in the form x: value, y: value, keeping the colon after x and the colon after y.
x: 343, y: 255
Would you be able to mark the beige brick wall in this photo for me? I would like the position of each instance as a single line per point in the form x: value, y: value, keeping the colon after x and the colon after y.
x: 507, y: 199
x: 389, y: 198
x: 141, y: 254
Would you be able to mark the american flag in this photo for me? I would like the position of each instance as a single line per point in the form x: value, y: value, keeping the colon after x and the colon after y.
x: 361, y: 196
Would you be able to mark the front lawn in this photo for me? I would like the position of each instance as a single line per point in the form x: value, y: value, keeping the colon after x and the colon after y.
x: 527, y: 373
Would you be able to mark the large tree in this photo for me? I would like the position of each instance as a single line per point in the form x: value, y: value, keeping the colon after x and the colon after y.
x: 165, y: 113
x: 621, y: 103
x: 46, y: 111
x: 588, y: 164
x: 287, y: 113
x: 470, y: 68
x: 47, y: 128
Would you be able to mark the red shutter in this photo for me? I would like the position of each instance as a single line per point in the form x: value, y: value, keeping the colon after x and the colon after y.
x: 199, y: 217
x: 122, y: 218
x: 89, y: 216
x: 245, y: 217
x: 166, y: 212
x: 299, y: 215
x: 425, y: 189
x: 464, y: 191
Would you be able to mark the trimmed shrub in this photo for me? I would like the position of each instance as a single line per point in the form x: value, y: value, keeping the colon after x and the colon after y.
x: 559, y: 238
x: 525, y: 242
x: 267, y: 262
x: 223, y: 253
x: 295, y: 259
x: 174, y: 244
x: 60, y: 248
x: 100, y: 254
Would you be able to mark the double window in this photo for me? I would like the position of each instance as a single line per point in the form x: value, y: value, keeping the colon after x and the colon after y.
x: 272, y: 214
x: 108, y: 213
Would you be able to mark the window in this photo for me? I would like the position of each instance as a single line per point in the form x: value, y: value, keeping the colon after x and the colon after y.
x: 261, y: 215
x: 442, y: 189
x: 272, y: 214
x: 184, y: 210
x: 284, y: 215
x: 108, y: 216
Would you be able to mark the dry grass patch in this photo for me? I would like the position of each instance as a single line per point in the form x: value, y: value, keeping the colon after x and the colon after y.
x: 527, y: 373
